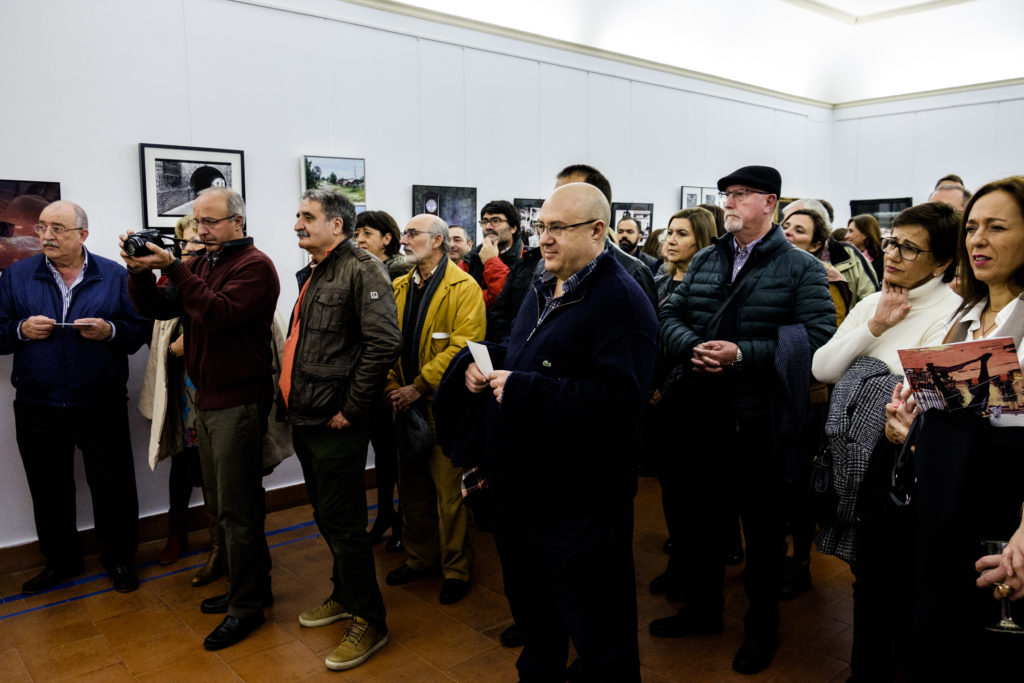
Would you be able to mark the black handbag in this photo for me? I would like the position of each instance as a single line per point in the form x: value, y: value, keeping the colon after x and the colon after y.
x: 413, y: 433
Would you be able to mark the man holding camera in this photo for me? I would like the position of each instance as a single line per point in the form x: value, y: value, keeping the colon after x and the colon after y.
x: 227, y: 299
x: 66, y: 317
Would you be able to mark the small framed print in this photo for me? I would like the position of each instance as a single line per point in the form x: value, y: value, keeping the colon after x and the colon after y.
x: 172, y: 177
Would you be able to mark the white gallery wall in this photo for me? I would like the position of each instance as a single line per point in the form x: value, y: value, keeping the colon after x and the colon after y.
x: 424, y: 103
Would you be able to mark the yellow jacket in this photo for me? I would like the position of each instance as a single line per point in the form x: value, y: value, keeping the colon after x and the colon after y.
x: 457, y: 309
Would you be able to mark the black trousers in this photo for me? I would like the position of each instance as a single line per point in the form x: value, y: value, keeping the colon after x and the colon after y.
x: 726, y: 466
x: 572, y: 578
x: 47, y: 437
x: 334, y: 466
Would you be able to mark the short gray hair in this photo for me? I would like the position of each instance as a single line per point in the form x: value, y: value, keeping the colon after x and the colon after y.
x: 439, y: 227
x: 236, y: 205
x: 812, y: 205
x: 81, y: 220
x: 953, y: 186
x: 334, y: 205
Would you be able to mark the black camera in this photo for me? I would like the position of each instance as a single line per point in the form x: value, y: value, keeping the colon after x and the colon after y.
x: 135, y: 245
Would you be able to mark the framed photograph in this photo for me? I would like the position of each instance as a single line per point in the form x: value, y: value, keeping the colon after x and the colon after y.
x: 529, y: 210
x: 884, y: 210
x: 643, y: 214
x: 172, y: 177
x: 456, y: 205
x: 690, y: 196
x: 340, y: 174
x: 21, y: 202
x: 709, y: 195
x: 780, y: 208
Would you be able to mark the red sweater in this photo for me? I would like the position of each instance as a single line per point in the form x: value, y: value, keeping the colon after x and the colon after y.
x: 228, y: 310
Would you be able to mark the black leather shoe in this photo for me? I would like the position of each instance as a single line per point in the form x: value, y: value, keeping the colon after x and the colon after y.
x: 47, y: 579
x: 406, y: 574
x: 218, y: 604
x: 755, y: 655
x: 232, y: 631
x: 512, y: 636
x: 125, y: 579
x: 453, y: 590
x: 686, y: 624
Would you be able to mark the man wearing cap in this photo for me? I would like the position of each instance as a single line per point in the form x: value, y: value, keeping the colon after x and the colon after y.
x: 722, y: 323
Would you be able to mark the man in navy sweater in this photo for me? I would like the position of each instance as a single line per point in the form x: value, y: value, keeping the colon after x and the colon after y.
x: 582, y: 348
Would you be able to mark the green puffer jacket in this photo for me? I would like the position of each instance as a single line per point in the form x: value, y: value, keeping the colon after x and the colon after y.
x: 791, y: 288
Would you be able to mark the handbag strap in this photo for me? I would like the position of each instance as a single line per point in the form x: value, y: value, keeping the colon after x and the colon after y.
x: 744, y: 285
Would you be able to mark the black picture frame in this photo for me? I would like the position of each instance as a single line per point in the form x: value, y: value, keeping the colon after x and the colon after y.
x: 529, y: 211
x: 172, y: 176
x: 643, y: 214
x: 455, y: 205
x: 884, y: 210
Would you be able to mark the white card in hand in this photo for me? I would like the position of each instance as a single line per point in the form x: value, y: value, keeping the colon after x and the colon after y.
x: 481, y: 357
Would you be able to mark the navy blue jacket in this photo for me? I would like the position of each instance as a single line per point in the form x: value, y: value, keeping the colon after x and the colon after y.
x: 66, y: 369
x: 563, y: 441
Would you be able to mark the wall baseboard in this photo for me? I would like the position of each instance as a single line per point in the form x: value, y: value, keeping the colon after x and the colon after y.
x: 154, y: 528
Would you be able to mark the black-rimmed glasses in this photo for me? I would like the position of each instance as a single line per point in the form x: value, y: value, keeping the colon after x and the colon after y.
x: 739, y: 195
x: 209, y: 222
x: 557, y: 230
x: 908, y: 252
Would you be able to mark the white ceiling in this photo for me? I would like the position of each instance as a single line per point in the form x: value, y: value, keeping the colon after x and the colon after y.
x: 833, y: 51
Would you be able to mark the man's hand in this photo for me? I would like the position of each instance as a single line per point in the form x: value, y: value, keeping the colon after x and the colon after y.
x: 177, y: 347
x: 891, y: 310
x: 37, y: 327
x: 655, y: 398
x: 160, y: 258
x: 475, y: 380
x: 96, y: 329
x: 712, y: 357
x: 403, y: 397
x: 338, y: 422
x: 488, y: 248
x: 497, y: 381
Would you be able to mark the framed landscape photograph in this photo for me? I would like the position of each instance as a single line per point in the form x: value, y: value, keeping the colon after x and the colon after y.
x: 529, y: 210
x: 690, y: 196
x: 643, y: 214
x: 456, y: 205
x: 172, y: 177
x: 341, y: 174
x: 21, y: 202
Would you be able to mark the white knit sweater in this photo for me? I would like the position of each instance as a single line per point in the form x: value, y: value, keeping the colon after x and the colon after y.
x: 931, y: 306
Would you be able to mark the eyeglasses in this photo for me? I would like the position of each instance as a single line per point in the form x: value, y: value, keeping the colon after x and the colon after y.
x: 739, y: 195
x: 56, y: 228
x: 493, y: 220
x: 209, y: 222
x: 557, y: 230
x: 907, y: 251
x: 412, y: 232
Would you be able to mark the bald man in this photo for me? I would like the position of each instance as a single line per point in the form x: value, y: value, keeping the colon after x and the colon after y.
x: 66, y: 317
x: 582, y: 348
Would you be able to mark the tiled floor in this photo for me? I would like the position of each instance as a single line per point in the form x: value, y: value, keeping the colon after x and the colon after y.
x: 86, y: 632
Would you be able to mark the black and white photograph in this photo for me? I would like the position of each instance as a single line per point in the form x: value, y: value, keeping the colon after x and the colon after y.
x: 172, y: 177
x: 456, y: 205
x: 643, y: 214
x: 338, y: 174
x: 690, y: 196
x: 529, y: 211
x: 21, y: 202
x: 710, y: 196
x: 884, y: 210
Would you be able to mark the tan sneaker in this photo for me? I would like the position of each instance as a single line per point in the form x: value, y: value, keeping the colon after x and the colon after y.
x: 361, y: 641
x: 328, y: 612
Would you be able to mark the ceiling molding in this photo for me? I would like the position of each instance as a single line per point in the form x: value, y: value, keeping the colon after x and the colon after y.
x: 826, y: 10
x: 930, y: 93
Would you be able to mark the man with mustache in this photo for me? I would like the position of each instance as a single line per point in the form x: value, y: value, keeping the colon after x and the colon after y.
x: 66, y: 317
x: 499, y: 250
x: 628, y: 234
x: 227, y: 299
x: 342, y: 342
x: 723, y: 324
x: 461, y: 245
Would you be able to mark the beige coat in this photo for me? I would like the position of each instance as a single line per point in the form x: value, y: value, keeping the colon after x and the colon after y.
x: 165, y: 434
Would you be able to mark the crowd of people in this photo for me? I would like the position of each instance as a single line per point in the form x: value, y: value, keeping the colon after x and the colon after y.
x: 750, y: 358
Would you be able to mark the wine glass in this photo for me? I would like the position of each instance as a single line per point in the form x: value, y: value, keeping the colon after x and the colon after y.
x: 1006, y: 623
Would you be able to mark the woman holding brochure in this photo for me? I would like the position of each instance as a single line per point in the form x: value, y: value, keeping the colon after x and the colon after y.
x: 912, y: 309
x: 967, y: 470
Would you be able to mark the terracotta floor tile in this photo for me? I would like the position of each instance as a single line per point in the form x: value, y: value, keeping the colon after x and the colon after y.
x: 112, y: 603
x: 493, y: 666
x: 287, y: 662
x: 71, y: 660
x: 11, y: 665
x: 158, y: 645
x: 115, y: 673
x: 202, y: 667
x: 50, y: 628
x: 391, y: 664
x: 267, y: 636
